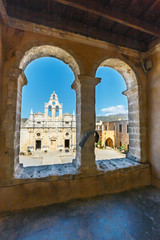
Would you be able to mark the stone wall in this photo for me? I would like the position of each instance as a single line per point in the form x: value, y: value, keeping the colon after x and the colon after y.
x: 153, y: 93
x: 123, y: 136
x: 83, y: 56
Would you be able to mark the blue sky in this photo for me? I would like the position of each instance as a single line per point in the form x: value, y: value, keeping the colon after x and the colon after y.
x: 46, y: 75
x: 109, y: 98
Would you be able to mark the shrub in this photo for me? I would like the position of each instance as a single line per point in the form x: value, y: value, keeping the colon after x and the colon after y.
x: 122, y: 148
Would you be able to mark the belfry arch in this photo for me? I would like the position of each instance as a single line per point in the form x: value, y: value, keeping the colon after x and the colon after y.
x: 29, y: 56
x: 137, y: 130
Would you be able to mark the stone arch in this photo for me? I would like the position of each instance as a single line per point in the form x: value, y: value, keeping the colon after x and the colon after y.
x: 18, y: 74
x: 137, y: 130
x: 49, y: 51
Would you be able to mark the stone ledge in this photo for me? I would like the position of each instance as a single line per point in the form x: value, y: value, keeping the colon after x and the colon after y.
x: 117, y: 164
x: 46, y: 171
x: 68, y: 171
x: 41, y: 192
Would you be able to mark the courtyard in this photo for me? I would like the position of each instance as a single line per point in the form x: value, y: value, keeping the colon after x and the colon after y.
x: 39, y: 158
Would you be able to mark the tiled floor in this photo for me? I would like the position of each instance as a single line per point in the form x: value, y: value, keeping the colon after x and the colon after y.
x: 132, y: 215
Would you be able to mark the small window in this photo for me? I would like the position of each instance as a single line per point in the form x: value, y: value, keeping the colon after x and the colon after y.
x: 127, y: 128
x: 120, y: 128
x: 66, y: 122
x: 113, y: 128
x: 67, y: 134
x: 106, y: 128
x: 38, y: 134
x: 38, y: 122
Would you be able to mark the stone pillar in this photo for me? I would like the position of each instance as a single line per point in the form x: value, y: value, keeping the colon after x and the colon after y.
x: 137, y: 128
x: 12, y: 120
x: 22, y: 81
x: 85, y: 121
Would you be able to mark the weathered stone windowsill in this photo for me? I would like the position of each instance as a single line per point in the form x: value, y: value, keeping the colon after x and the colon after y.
x: 116, y: 164
x: 63, y: 171
x: 47, y: 171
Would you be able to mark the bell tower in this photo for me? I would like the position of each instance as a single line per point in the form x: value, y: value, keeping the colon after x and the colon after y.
x: 53, y: 108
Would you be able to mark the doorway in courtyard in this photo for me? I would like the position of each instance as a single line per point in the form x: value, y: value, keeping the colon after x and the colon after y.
x: 48, y: 120
x: 38, y: 144
x: 111, y: 115
x: 66, y: 143
x: 109, y: 143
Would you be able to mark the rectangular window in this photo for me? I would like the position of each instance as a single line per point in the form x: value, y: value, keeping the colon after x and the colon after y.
x: 120, y: 127
x: 127, y: 128
x: 106, y: 128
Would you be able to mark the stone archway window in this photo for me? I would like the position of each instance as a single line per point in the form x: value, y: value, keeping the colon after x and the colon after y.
x: 136, y: 118
x: 29, y: 56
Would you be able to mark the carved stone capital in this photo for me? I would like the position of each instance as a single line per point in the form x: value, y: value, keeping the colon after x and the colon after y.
x: 75, y: 84
x: 22, y: 78
x: 88, y: 80
x: 130, y: 91
x: 14, y: 73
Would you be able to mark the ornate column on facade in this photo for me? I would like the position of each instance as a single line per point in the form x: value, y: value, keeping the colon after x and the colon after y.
x: 85, y: 121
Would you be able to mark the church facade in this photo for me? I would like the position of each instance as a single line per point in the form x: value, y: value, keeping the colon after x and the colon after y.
x: 52, y: 130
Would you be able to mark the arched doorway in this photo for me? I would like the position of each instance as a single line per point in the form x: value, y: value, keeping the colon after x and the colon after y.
x: 109, y: 142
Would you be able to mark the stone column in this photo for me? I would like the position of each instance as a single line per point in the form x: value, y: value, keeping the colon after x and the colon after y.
x: 22, y: 81
x: 12, y: 120
x: 137, y: 125
x: 85, y: 121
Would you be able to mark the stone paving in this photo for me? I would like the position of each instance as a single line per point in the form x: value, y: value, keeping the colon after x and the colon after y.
x: 132, y: 215
x: 56, y: 157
